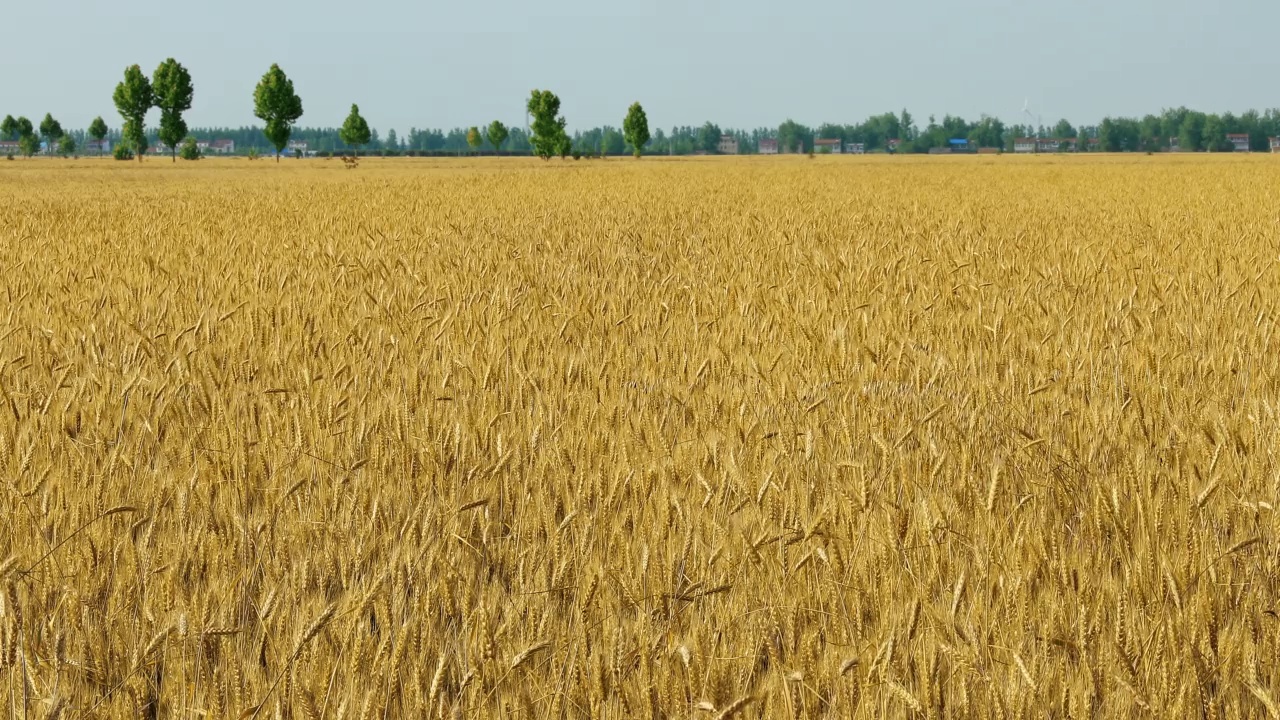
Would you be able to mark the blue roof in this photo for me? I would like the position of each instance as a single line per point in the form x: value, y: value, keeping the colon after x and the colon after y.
x: 954, y: 141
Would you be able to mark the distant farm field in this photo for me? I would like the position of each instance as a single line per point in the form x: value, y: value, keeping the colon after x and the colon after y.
x: 703, y: 438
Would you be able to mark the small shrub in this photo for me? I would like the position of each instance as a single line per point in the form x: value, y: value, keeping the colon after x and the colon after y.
x: 253, y: 153
x: 122, y: 152
x: 189, y: 150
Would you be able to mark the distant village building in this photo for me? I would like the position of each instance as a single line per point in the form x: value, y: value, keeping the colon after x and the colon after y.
x: 892, y: 144
x: 728, y: 145
x: 768, y: 146
x: 206, y: 147
x: 855, y: 148
x: 1045, y: 145
x: 10, y: 147
x: 1275, y: 144
x: 101, y: 147
x: 1173, y: 144
x: 1239, y: 141
x: 828, y: 145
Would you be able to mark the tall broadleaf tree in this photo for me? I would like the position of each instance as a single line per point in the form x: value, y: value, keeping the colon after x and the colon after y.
x: 133, y: 98
x: 497, y: 134
x: 9, y: 128
x: 171, y: 84
x: 355, y: 131
x: 474, y: 140
x: 635, y: 128
x: 51, y: 131
x: 549, y: 137
x: 278, y: 106
x: 28, y: 141
x: 98, y: 131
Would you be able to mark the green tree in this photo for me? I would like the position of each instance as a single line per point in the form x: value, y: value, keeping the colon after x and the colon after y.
x: 190, y: 151
x: 794, y: 137
x: 171, y: 85
x: 1150, y: 130
x: 392, y: 142
x: 709, y: 137
x: 474, y: 140
x: 497, y: 134
x: 355, y: 131
x: 549, y: 137
x: 906, y: 127
x: 51, y: 131
x: 24, y: 128
x: 989, y: 132
x: 133, y: 98
x: 28, y: 141
x: 1191, y: 133
x: 29, y: 144
x: 612, y: 142
x: 278, y: 106
x: 1109, y: 136
x: 1214, y: 135
x: 98, y: 131
x: 66, y: 146
x: 635, y: 129
x: 9, y: 128
x: 134, y: 136
x: 1064, y: 130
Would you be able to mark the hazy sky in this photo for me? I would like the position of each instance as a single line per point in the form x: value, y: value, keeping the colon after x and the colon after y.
x: 745, y: 64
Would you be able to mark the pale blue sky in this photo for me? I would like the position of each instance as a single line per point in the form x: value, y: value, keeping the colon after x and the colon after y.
x: 744, y: 64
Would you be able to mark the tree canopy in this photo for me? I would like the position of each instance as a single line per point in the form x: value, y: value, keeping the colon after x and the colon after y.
x: 497, y: 134
x: 549, y: 136
x: 133, y: 98
x: 355, y: 131
x: 171, y: 85
x: 635, y: 128
x: 51, y: 131
x: 98, y: 129
x: 276, y: 104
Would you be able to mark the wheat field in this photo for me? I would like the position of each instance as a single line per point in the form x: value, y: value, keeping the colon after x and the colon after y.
x: 705, y: 438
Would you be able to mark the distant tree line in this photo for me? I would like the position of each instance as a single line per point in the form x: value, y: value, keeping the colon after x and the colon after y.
x: 1191, y: 130
x: 279, y: 108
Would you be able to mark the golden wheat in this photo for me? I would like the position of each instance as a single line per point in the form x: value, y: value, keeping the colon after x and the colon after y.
x: 844, y: 437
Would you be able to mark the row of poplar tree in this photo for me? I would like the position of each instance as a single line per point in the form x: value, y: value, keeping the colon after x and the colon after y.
x: 278, y: 106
